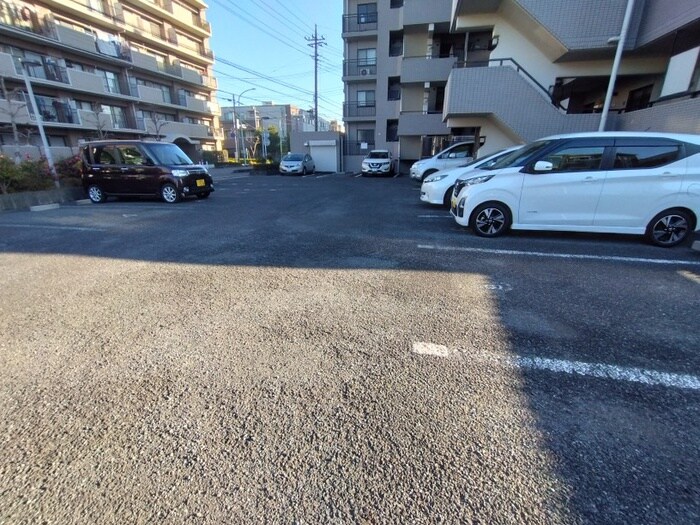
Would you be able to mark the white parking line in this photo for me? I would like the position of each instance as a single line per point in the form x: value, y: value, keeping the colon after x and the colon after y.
x: 599, y: 370
x: 47, y: 227
x: 435, y: 216
x: 556, y: 255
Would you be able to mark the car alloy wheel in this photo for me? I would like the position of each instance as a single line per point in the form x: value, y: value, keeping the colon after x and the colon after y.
x: 96, y: 195
x: 490, y: 220
x: 669, y: 228
x: 169, y: 193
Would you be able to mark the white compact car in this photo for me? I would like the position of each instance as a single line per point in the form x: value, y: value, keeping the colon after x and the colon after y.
x: 607, y: 182
x: 437, y: 188
x: 300, y: 163
x: 456, y: 155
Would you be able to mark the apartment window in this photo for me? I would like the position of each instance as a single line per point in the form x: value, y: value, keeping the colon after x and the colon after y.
x: 396, y: 3
x: 395, y: 43
x: 84, y: 105
x: 367, y: 13
x: 639, y: 98
x: 365, y: 98
x: 111, y: 82
x: 117, y: 114
x: 392, y: 130
x: 394, y: 91
x: 367, y: 57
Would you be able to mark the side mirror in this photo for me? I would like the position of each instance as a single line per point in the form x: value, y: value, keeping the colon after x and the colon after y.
x: 543, y: 165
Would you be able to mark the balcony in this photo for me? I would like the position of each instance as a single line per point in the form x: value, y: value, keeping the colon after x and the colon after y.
x: 358, y: 109
x: 418, y: 123
x: 360, y: 23
x: 362, y: 69
x: 426, y: 68
x: 356, y: 148
x: 418, y: 12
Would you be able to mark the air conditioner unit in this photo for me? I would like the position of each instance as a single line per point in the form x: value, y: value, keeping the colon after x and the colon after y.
x: 364, y: 71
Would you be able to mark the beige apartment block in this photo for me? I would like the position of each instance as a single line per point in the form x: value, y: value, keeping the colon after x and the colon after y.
x: 420, y: 75
x: 107, y: 69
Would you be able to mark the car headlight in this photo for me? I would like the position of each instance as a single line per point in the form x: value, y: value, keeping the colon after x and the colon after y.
x: 417, y: 165
x: 477, y: 180
x: 435, y: 178
x: 179, y: 173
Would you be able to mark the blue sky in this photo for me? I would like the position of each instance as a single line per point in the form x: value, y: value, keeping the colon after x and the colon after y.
x: 261, y: 44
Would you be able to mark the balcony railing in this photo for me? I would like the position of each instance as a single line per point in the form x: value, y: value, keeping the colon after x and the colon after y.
x: 361, y: 68
x: 509, y: 62
x: 355, y: 23
x: 53, y: 110
x: 355, y: 148
x: 47, y: 70
x: 359, y: 109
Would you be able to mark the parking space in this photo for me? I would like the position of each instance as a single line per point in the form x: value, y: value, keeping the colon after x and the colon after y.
x: 328, y: 328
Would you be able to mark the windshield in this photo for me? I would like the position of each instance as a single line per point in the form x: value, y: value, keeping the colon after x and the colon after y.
x: 293, y: 157
x: 519, y: 156
x: 378, y: 155
x: 167, y: 154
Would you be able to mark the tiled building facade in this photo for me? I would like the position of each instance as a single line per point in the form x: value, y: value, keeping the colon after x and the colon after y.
x: 420, y: 74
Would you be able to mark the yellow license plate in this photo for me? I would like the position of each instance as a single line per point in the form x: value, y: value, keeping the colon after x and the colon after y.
x: 200, y: 182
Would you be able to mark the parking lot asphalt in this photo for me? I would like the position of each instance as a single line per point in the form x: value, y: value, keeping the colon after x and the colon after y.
x: 327, y: 349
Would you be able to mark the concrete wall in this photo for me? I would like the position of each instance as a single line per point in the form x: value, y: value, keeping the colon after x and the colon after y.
x: 679, y: 116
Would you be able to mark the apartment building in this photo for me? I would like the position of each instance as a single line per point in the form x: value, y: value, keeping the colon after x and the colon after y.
x: 107, y: 69
x: 421, y: 74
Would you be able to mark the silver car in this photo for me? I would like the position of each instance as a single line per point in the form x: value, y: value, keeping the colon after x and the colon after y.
x: 297, y: 163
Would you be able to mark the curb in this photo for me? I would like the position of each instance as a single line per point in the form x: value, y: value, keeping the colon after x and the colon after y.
x: 44, y: 207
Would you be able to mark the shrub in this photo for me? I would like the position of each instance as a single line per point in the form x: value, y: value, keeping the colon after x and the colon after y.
x: 28, y: 175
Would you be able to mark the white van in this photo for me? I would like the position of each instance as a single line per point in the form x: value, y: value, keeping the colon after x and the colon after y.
x: 608, y: 182
x: 459, y: 154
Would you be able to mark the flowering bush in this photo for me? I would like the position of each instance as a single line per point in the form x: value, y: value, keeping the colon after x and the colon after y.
x: 34, y: 175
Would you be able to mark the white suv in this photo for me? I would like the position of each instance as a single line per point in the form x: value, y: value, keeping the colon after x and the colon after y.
x: 459, y: 154
x: 609, y: 182
x: 378, y: 162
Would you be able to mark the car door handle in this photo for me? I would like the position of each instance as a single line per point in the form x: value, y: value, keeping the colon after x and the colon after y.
x: 590, y: 179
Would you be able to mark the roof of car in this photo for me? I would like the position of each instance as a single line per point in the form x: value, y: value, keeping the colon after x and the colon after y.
x: 687, y: 137
x: 379, y: 151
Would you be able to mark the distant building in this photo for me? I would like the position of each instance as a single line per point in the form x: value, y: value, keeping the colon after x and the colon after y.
x: 107, y: 68
x: 420, y: 74
x: 286, y: 118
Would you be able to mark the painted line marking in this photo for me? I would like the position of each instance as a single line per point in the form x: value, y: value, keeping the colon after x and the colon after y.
x: 47, y: 227
x: 556, y: 255
x: 322, y: 176
x: 598, y: 370
x: 358, y: 175
x: 435, y: 216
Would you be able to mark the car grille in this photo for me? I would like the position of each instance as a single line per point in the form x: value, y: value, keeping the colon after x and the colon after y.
x: 458, y: 187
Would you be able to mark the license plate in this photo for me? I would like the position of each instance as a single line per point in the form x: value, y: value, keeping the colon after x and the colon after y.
x: 201, y: 182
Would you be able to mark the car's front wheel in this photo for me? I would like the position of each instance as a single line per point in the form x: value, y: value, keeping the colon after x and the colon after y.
x: 96, y: 194
x: 447, y: 199
x: 491, y: 219
x: 169, y: 193
x: 669, y: 228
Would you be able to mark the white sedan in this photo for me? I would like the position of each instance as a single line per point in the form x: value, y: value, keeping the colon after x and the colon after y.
x: 437, y: 188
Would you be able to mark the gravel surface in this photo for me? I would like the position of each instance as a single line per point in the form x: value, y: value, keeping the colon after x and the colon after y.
x: 292, y: 351
x: 269, y: 395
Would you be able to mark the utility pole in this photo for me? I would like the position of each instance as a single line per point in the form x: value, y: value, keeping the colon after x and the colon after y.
x: 316, y: 42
